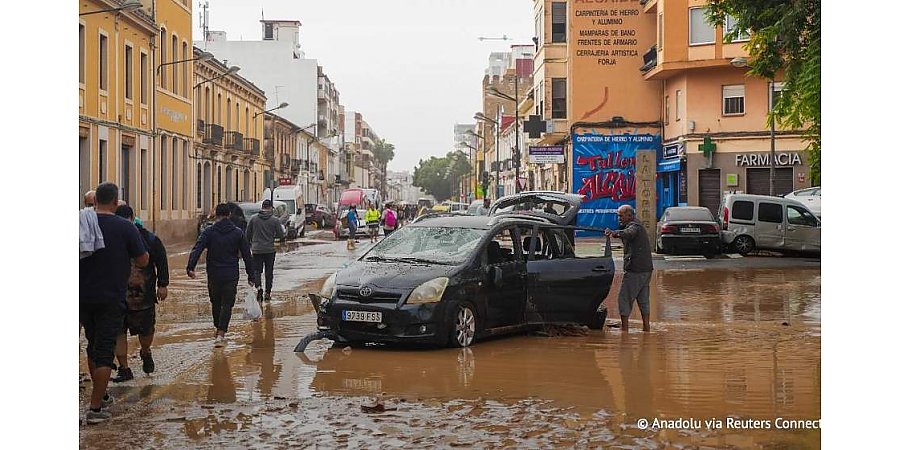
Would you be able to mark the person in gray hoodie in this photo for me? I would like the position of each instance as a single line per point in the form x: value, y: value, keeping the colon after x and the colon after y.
x: 262, y: 230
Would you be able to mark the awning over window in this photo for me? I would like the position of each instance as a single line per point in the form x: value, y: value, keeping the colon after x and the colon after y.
x: 669, y: 165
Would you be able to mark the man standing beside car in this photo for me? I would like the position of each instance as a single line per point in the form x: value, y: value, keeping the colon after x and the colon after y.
x: 262, y: 230
x: 638, y: 266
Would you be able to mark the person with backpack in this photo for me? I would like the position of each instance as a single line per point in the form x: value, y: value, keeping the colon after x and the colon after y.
x: 390, y: 220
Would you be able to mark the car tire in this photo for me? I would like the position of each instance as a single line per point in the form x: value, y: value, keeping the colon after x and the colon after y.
x: 660, y: 250
x: 744, y: 244
x: 463, y: 326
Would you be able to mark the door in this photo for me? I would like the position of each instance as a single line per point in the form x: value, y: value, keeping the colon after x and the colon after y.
x: 562, y: 288
x: 505, y: 302
x: 710, y: 189
x: 770, y: 226
x: 802, y: 232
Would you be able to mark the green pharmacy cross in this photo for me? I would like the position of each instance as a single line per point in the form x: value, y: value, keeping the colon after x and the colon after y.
x: 707, y: 147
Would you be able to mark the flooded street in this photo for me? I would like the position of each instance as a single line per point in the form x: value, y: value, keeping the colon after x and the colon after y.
x: 726, y: 341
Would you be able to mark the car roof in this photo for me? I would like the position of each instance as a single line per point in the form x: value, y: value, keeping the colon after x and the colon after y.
x: 479, y: 222
x: 764, y: 198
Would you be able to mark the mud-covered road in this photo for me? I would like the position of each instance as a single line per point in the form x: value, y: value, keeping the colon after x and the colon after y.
x: 731, y: 339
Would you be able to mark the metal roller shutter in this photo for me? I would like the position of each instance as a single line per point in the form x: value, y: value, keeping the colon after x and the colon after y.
x: 710, y: 190
x: 758, y: 181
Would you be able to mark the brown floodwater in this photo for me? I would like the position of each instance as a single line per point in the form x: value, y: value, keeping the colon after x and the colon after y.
x: 738, y: 343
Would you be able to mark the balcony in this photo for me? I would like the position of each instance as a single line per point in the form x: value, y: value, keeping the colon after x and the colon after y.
x: 649, y: 60
x: 201, y: 128
x: 285, y: 164
x: 214, y: 134
x: 234, y: 141
x: 295, y: 165
x: 251, y: 146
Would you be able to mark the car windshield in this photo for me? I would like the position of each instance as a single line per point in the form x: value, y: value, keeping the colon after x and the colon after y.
x: 290, y: 206
x: 440, y: 245
x: 689, y: 214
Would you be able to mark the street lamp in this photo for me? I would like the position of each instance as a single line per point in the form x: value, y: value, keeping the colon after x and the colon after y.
x: 474, y: 166
x: 128, y: 5
x: 496, y: 93
x: 282, y: 105
x: 481, y: 117
x: 204, y: 56
x: 741, y: 62
x: 231, y: 70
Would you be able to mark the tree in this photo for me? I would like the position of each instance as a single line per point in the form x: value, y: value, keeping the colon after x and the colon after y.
x: 785, y: 34
x: 439, y: 176
x: 383, y: 153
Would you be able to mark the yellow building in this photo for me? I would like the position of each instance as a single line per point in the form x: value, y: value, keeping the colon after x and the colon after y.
x: 281, y: 144
x: 709, y: 97
x: 115, y: 100
x: 229, y: 163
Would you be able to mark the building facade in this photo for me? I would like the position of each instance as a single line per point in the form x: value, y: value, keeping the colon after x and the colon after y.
x: 231, y: 162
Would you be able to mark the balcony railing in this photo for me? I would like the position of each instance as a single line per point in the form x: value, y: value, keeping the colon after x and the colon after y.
x: 649, y: 59
x: 295, y: 165
x: 270, y: 153
x: 285, y: 164
x: 234, y: 141
x: 214, y: 134
x: 201, y: 128
x: 251, y: 146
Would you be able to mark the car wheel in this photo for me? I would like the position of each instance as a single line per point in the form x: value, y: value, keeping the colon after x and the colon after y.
x: 462, y: 333
x: 659, y: 249
x: 744, y: 244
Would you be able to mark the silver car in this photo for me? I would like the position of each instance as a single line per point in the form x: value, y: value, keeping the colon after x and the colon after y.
x: 751, y: 222
x: 811, y: 197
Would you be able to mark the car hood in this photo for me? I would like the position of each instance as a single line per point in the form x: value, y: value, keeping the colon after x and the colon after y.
x: 390, y: 274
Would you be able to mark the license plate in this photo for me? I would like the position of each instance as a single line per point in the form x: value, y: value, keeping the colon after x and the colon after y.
x: 362, y: 316
x: 690, y: 230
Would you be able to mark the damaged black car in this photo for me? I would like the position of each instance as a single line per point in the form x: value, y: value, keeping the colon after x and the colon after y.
x: 450, y: 280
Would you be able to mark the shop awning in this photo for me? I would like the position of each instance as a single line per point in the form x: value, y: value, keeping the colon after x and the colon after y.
x: 669, y: 165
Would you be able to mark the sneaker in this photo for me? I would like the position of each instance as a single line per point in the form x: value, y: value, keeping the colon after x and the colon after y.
x: 268, y: 296
x: 220, y: 341
x: 124, y: 374
x: 107, y: 401
x: 149, y: 365
x: 95, y: 417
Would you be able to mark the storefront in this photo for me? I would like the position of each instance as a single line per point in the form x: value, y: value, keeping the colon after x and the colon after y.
x: 670, y: 178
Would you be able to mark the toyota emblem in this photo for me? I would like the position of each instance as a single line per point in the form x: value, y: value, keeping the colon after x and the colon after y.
x: 365, y: 291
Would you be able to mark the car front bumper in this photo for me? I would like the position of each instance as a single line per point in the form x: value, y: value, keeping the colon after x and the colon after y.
x: 416, y: 324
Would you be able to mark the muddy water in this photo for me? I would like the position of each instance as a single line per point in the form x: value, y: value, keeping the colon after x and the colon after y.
x: 740, y: 343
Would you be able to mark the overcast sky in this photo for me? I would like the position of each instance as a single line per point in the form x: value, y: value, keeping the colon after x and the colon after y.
x: 413, y: 68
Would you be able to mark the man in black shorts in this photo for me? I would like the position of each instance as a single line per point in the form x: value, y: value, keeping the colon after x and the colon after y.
x: 638, y: 266
x: 102, y: 287
x: 143, y: 294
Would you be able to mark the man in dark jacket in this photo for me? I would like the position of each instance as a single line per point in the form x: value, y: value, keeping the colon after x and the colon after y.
x: 225, y: 245
x: 638, y: 266
x: 140, y: 319
x: 262, y: 230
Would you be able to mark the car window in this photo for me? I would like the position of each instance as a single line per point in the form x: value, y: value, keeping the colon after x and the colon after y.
x: 797, y: 216
x: 771, y: 212
x: 552, y: 244
x: 742, y: 210
x: 702, y: 214
x: 502, y: 248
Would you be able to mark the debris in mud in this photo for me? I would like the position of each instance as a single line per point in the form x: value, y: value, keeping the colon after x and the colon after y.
x: 378, y: 407
x: 346, y: 350
x: 562, y: 330
x: 785, y: 324
x: 614, y: 325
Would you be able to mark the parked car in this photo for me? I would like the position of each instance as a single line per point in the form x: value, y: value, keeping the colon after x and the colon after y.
x: 451, y: 207
x: 811, y: 197
x: 475, y: 206
x: 751, y: 222
x: 688, y: 229
x: 452, y: 279
x: 292, y: 196
x: 319, y: 214
x: 279, y: 210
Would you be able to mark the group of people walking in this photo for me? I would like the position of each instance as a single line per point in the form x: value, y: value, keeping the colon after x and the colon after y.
x: 124, y: 273
x: 374, y: 219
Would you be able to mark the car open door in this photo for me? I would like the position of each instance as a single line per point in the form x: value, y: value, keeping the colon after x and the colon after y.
x: 560, y: 287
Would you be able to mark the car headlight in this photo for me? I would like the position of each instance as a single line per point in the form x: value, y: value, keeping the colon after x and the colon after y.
x: 328, y: 288
x: 428, y: 292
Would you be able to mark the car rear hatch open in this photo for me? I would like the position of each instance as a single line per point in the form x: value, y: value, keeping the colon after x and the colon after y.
x: 558, y: 207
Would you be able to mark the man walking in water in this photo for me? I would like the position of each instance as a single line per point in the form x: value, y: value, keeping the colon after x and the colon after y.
x: 261, y: 233
x: 102, y: 287
x: 224, y: 244
x: 638, y: 266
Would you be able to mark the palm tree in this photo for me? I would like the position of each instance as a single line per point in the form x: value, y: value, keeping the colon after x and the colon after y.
x: 384, y: 153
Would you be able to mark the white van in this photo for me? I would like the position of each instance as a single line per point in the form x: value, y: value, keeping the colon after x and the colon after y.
x: 292, y: 196
x: 751, y: 222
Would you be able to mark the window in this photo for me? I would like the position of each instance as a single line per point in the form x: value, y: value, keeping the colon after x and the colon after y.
x: 102, y: 160
x: 770, y: 212
x: 539, y: 29
x: 559, y: 98
x: 730, y: 25
x: 143, y: 78
x: 175, y: 146
x: 174, y: 66
x: 144, y: 189
x: 228, y: 115
x: 129, y: 73
x: 501, y: 249
x: 679, y: 104
x: 733, y: 99
x: 185, y: 67
x: 797, y: 216
x: 269, y: 32
x: 742, y: 210
x: 164, y: 171
x: 104, y: 63
x: 774, y: 93
x: 162, y: 56
x: 81, y: 53
x: 659, y: 33
x: 558, y: 27
x: 701, y: 31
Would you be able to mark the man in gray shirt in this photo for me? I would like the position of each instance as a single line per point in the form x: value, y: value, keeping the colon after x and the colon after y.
x: 262, y: 230
x: 638, y: 266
